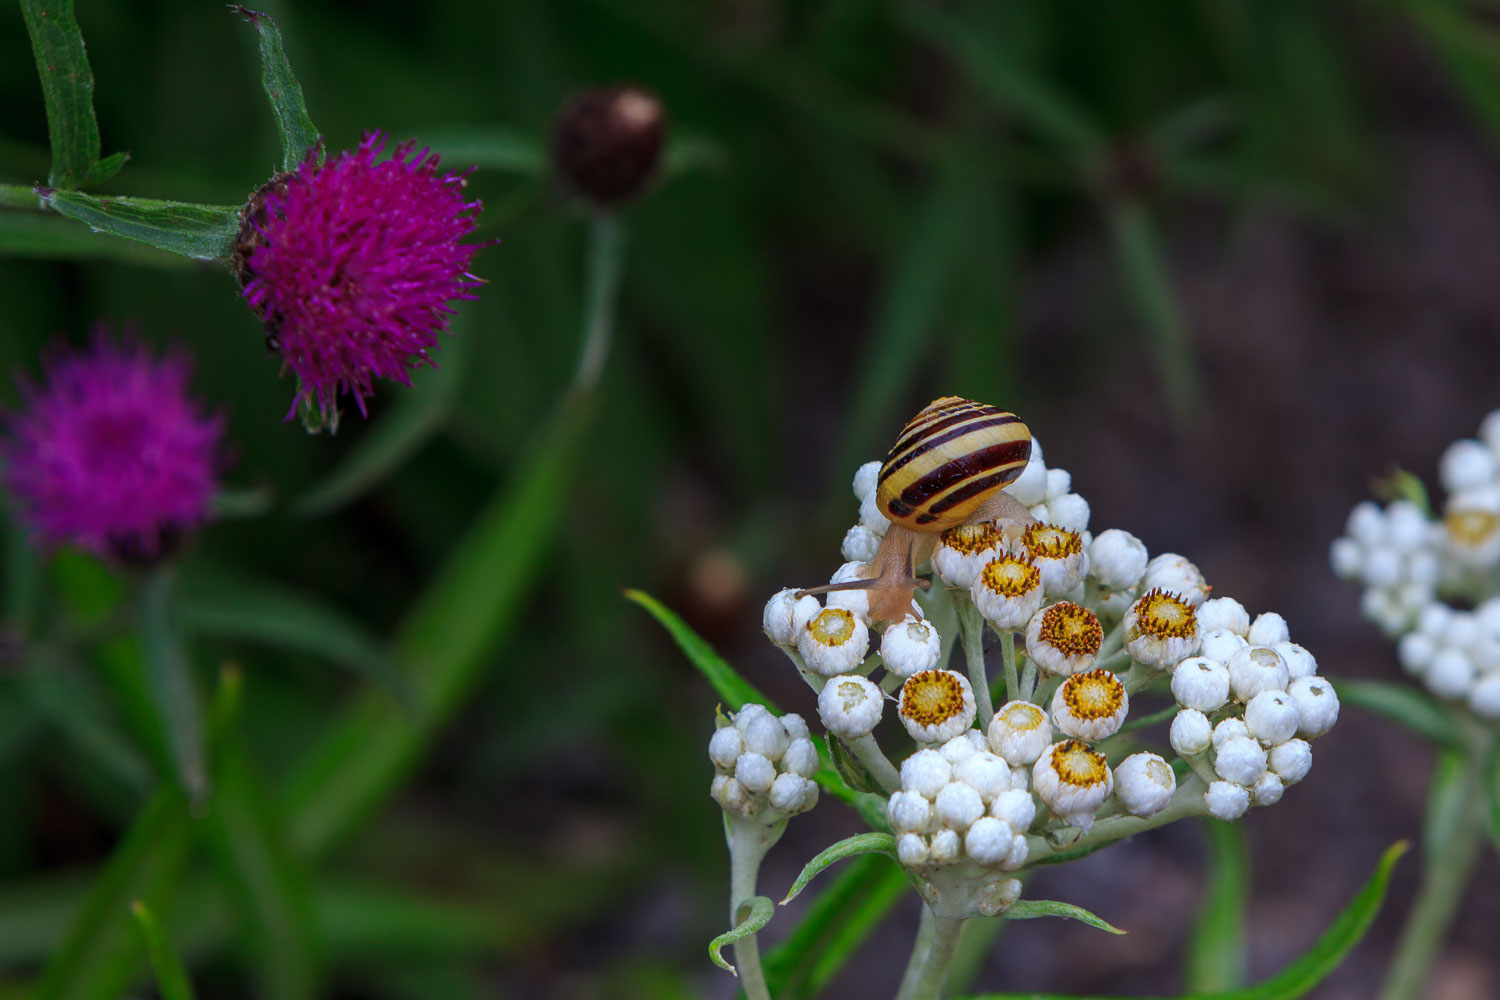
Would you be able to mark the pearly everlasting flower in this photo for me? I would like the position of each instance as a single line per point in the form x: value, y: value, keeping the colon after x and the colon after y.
x: 1161, y: 629
x: 1008, y: 591
x: 988, y: 841
x: 1069, y: 512
x: 786, y: 615
x: 850, y: 706
x: 925, y: 772
x: 965, y: 550
x: 1466, y: 465
x: 1317, y: 706
x: 1019, y: 732
x: 866, y: 480
x: 1058, y: 555
x: 353, y: 265
x: 1144, y: 784
x: 1268, y: 790
x: 1273, y: 716
x: 1090, y: 706
x: 936, y: 705
x: 984, y: 772
x: 1175, y: 574
x: 946, y: 845
x: 725, y: 747
x: 110, y: 454
x: 957, y: 805
x: 963, y: 746
x: 908, y: 811
x: 857, y: 601
x: 1255, y: 669
x: 1291, y: 760
x: 860, y: 544
x: 1223, y: 613
x: 1268, y: 629
x: 1016, y: 807
x: 1117, y: 559
x: 1226, y: 800
x: 1473, y: 537
x: 801, y: 757
x: 910, y: 646
x: 1064, y: 638
x: 1484, y: 699
x: 833, y: 642
x: 1201, y: 683
x: 911, y: 850
x: 1073, y: 780
x: 755, y: 771
x: 1191, y: 734
x: 763, y: 764
x: 1299, y: 662
x: 793, y: 793
x: 871, y: 518
x: 1221, y: 644
x: 1030, y: 487
x: 1229, y: 729
x: 1241, y: 760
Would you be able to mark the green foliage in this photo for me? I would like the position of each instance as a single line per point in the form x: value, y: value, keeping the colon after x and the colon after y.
x: 68, y: 88
x: 1030, y: 909
x: 204, y: 232
x: 171, y: 977
x: 299, y: 136
x: 759, y: 912
x: 1216, y: 956
x: 860, y: 843
x: 734, y: 689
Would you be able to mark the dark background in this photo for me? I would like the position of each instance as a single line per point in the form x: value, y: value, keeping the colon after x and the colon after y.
x: 1272, y: 279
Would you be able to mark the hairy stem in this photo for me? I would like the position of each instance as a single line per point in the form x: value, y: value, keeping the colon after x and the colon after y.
x: 748, y: 842
x: 605, y: 265
x: 971, y: 626
x: 1186, y: 801
x: 868, y: 753
x: 1012, y: 675
x: 919, y: 949
x: 941, y: 944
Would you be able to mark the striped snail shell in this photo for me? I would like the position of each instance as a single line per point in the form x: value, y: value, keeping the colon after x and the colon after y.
x: 949, y: 459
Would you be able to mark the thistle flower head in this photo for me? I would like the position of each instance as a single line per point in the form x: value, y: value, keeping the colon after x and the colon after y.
x: 353, y: 264
x: 110, y: 454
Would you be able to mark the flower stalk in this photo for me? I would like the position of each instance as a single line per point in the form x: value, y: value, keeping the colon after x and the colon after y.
x: 606, y: 264
x: 748, y: 841
x: 971, y: 624
x: 935, y: 949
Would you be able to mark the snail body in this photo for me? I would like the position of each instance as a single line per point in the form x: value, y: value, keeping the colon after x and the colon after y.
x: 948, y: 467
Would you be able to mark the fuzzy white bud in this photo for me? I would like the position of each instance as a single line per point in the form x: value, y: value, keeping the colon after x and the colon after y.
x: 1241, y: 760
x: 801, y: 757
x: 725, y: 747
x: 910, y: 646
x: 1016, y: 807
x: 1201, y: 683
x: 1225, y: 613
x: 988, y: 841
x: 1256, y: 669
x: 850, y: 706
x: 1268, y: 629
x: 1117, y: 559
x: 925, y: 772
x: 958, y: 805
x: 1291, y: 760
x: 1317, y: 705
x: 1019, y: 732
x: 755, y: 772
x: 1226, y: 800
x: 1273, y: 716
x: 1144, y: 784
x: 1191, y: 733
x: 908, y: 812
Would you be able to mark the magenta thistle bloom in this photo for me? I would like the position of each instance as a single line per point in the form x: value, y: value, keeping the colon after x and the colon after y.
x: 110, y: 454
x: 352, y: 264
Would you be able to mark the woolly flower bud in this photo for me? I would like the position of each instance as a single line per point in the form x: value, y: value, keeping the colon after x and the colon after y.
x: 1064, y: 638
x: 1268, y: 790
x: 1268, y: 629
x: 1347, y: 557
x: 801, y: 757
x: 958, y: 805
x: 1019, y: 732
x: 1030, y: 487
x: 1016, y: 807
x: 1069, y: 512
x: 1177, y: 575
x: 871, y: 517
x: 1273, y: 716
x: 965, y: 550
x: 1090, y: 706
x: 866, y: 479
x: 1191, y: 732
x: 1226, y: 800
x: 607, y: 142
x: 732, y: 796
x: 1225, y: 613
x: 925, y: 772
x: 1229, y: 729
x: 1299, y: 662
x: 984, y: 772
x: 908, y: 812
x: 1008, y: 591
x: 963, y: 746
x: 857, y: 601
x: 1466, y: 465
x: 754, y: 771
x: 1144, y: 784
x: 911, y: 850
x: 764, y: 734
x: 1073, y: 781
x: 1317, y: 706
x: 725, y: 747
x: 946, y: 846
x: 1240, y: 760
x: 1484, y: 699
x: 834, y: 642
x: 1452, y: 673
x: 988, y: 841
x: 1161, y: 629
x: 1291, y: 760
x: 1200, y: 683
x: 910, y: 646
x: 1255, y: 669
x: 1221, y: 644
x: 793, y: 794
x: 1117, y: 559
x: 860, y: 544
x: 936, y: 705
x: 850, y: 706
x: 1058, y: 555
x: 786, y: 615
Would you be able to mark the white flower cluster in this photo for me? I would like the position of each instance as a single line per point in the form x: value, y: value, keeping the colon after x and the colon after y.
x: 961, y: 801
x: 763, y: 765
x: 1410, y: 562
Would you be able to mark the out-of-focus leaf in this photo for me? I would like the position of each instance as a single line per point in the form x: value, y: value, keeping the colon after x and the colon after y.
x: 171, y: 977
x: 848, y: 767
x: 488, y: 147
x: 68, y: 89
x: 1030, y: 909
x: 760, y: 912
x: 203, y: 232
x: 860, y: 843
x: 734, y: 689
x: 298, y: 133
x: 1414, y: 709
x: 1311, y: 968
x: 687, y: 154
x: 1402, y: 484
x: 847, y: 938
x: 1449, y: 797
x: 72, y: 704
x: 102, y: 951
x: 1470, y: 53
x: 1490, y: 778
x: 855, y: 890
x: 1216, y: 952
x: 25, y: 234
x: 171, y: 680
x: 256, y: 611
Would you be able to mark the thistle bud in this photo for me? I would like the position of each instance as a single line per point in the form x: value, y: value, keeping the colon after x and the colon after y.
x: 606, y: 143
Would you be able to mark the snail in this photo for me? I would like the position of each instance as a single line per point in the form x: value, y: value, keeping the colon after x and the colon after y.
x: 948, y: 467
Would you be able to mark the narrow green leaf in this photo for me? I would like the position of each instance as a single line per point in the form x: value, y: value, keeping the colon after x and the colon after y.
x: 761, y: 911
x: 102, y: 951
x: 70, y: 701
x: 734, y: 689
x: 203, y: 232
x: 1470, y: 54
x: 239, y: 607
x: 1030, y: 909
x: 488, y: 147
x: 1448, y: 803
x: 27, y: 234
x: 298, y: 133
x: 1216, y: 952
x: 171, y: 977
x: 68, y: 89
x: 171, y: 680
x: 853, y: 890
x: 1403, y: 703
x: 847, y: 937
x: 253, y: 502
x: 860, y: 843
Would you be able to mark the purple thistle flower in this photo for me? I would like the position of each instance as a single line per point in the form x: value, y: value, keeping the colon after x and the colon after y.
x: 110, y: 454
x: 352, y: 264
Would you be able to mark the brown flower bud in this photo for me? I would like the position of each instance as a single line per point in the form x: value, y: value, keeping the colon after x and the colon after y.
x: 606, y: 143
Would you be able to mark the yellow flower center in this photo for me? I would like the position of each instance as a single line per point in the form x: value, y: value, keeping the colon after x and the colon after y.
x: 851, y: 694
x: 931, y: 697
x: 1471, y: 527
x: 1165, y: 616
x: 1044, y: 541
x: 1071, y: 629
x: 832, y: 626
x: 1010, y: 576
x: 1022, y: 716
x: 1079, y: 766
x: 1097, y: 694
x: 969, y: 539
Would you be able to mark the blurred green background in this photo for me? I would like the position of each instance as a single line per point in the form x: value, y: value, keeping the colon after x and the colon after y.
x: 1228, y: 259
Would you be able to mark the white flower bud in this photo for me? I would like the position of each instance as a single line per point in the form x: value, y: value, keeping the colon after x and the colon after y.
x: 1433, y: 620
x: 1383, y: 566
x: 1406, y: 526
x: 1064, y: 638
x: 1073, y: 780
x: 801, y: 757
x: 984, y: 772
x: 795, y: 726
x: 1226, y: 800
x: 1201, y: 683
x: 1179, y: 575
x: 1299, y: 662
x: 1019, y: 851
x: 908, y: 812
x: 958, y: 805
x: 1059, y: 481
x: 749, y: 713
x: 1268, y: 790
x: 1347, y: 558
x: 1117, y: 559
x: 725, y: 747
x: 766, y: 736
x: 1191, y: 732
x: 911, y: 850
x: 871, y: 517
x: 925, y: 772
x: 1256, y: 669
x: 959, y: 748
x: 755, y: 772
x: 1221, y: 645
x: 850, y: 706
x: 1291, y: 760
x: 1008, y: 591
x: 1019, y: 732
x: 965, y: 550
x: 936, y: 705
x: 1225, y: 613
x: 857, y: 601
x: 945, y: 847
x: 860, y: 544
x: 1451, y: 674
x: 834, y: 642
x: 1058, y: 555
x: 988, y: 841
x: 910, y: 646
x: 776, y: 620
x: 731, y: 795
x: 792, y: 794
x: 1229, y: 729
x: 1240, y: 760
x: 1030, y: 487
x: 1366, y: 523
x: 1090, y: 706
x: 1484, y: 699
x: 1069, y: 512
x: 1466, y: 465
x: 866, y: 479
x: 1268, y: 629
x: 1317, y: 705
x: 1273, y: 716
x: 995, y: 897
x: 1489, y: 431
x: 1144, y: 784
x: 1016, y: 807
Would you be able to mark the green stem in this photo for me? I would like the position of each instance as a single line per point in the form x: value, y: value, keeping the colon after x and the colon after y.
x: 748, y: 843
x: 1187, y: 801
x: 919, y: 950
x: 868, y: 753
x: 19, y: 196
x: 605, y: 265
x: 1012, y: 675
x: 971, y: 626
x: 1028, y: 679
x: 1446, y: 878
x: 171, y: 681
x: 940, y: 949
